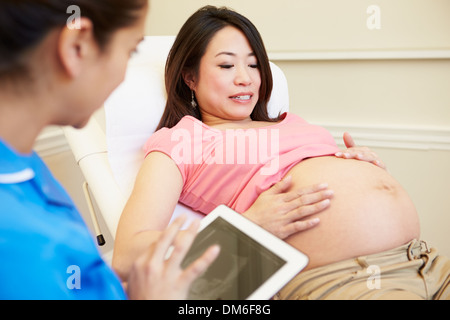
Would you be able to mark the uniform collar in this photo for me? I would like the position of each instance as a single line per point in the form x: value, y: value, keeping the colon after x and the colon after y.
x: 17, y: 168
x: 14, y: 168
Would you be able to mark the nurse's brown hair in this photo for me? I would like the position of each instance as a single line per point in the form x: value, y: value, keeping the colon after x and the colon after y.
x: 25, y: 23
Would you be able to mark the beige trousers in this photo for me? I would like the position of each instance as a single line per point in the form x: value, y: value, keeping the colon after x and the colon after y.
x: 409, y: 272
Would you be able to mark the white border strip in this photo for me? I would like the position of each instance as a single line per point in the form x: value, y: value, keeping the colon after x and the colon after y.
x: 360, y: 55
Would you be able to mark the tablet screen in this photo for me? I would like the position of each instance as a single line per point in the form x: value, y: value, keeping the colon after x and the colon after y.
x: 242, y: 266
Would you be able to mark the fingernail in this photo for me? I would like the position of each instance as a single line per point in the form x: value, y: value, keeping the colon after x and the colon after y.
x: 339, y: 154
x: 215, y: 249
x: 314, y: 221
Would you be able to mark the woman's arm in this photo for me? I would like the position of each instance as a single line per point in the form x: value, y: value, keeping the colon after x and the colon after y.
x: 157, y: 190
x: 148, y: 211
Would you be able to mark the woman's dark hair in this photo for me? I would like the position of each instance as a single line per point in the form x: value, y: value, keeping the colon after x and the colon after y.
x: 24, y: 23
x: 187, y: 52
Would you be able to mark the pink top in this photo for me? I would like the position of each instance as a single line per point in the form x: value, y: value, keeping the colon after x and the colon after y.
x: 234, y: 166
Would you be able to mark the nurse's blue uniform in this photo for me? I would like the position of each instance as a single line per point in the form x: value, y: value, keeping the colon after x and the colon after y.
x: 46, y: 250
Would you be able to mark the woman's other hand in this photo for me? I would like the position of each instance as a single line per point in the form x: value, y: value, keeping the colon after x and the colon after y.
x: 284, y: 213
x: 154, y: 276
x: 359, y: 153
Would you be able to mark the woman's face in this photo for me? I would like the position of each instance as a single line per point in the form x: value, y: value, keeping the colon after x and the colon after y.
x: 228, y: 82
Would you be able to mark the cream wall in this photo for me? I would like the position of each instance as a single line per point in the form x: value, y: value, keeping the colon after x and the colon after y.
x: 291, y: 25
x: 389, y: 87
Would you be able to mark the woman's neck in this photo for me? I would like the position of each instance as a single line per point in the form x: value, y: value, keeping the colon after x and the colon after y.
x: 221, y: 123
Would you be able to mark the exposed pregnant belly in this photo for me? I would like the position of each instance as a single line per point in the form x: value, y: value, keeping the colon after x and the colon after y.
x: 370, y: 212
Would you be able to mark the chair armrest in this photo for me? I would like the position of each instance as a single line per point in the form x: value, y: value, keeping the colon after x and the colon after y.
x: 89, y: 148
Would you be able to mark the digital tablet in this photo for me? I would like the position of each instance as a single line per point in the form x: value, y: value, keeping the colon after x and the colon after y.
x: 253, y: 264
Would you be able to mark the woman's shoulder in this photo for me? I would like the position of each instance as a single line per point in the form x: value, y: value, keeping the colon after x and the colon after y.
x: 166, y: 130
x: 165, y: 136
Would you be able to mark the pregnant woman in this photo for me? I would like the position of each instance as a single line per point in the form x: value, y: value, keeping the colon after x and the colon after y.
x: 217, y: 145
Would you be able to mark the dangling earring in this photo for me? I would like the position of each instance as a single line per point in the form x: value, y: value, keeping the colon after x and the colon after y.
x: 193, y: 103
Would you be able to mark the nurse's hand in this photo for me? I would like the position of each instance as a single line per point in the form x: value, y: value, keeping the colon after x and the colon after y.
x: 284, y: 213
x: 153, y: 277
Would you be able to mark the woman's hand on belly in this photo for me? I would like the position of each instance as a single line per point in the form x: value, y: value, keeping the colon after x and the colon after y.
x: 285, y: 213
x: 359, y: 153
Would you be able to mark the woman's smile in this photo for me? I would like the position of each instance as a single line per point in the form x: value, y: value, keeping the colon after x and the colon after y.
x: 242, y: 98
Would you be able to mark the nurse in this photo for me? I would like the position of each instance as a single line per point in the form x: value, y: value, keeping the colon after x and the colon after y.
x: 53, y: 74
x: 57, y: 68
